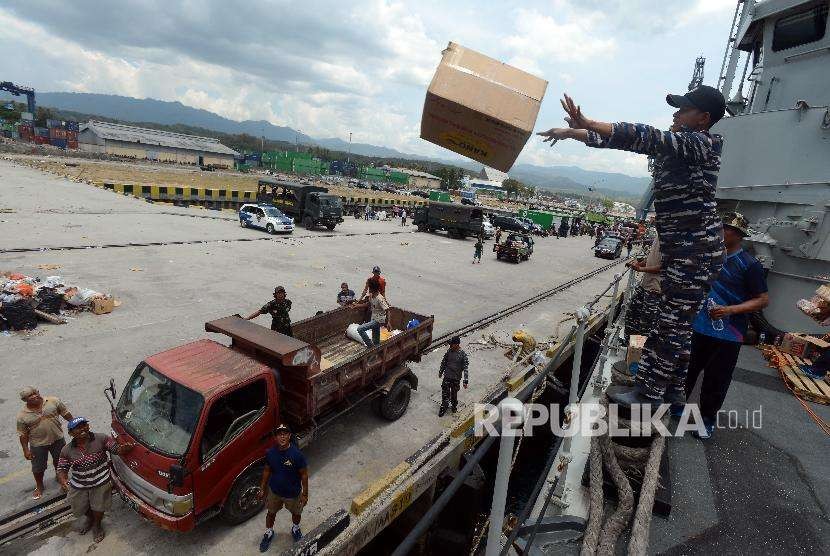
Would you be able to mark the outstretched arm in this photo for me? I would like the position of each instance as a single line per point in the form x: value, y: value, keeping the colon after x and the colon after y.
x: 693, y: 146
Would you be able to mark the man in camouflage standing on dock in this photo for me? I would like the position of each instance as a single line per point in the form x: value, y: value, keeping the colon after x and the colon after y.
x: 686, y: 164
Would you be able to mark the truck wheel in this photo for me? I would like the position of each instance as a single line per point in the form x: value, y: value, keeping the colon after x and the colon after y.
x: 422, y: 228
x: 308, y: 223
x: 330, y: 227
x: 393, y: 405
x: 242, y: 503
x: 270, y: 229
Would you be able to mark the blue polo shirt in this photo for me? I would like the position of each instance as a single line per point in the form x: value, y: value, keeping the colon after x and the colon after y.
x: 740, y: 279
x: 285, y: 470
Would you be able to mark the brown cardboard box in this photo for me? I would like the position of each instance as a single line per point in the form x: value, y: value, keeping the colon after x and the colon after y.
x: 102, y: 305
x: 481, y: 108
x: 803, y: 345
x: 635, y: 350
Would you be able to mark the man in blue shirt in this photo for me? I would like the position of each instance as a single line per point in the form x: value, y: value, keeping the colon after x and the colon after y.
x: 286, y: 479
x: 721, y: 323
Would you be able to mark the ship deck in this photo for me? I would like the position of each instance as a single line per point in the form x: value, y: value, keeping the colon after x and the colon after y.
x: 753, y: 489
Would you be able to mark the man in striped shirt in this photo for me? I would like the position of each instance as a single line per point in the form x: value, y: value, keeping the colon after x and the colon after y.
x: 84, y: 472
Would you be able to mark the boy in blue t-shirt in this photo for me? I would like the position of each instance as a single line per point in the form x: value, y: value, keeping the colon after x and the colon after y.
x: 721, y: 323
x: 286, y: 478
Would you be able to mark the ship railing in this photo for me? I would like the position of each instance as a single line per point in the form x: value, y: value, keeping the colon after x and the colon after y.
x: 577, y: 333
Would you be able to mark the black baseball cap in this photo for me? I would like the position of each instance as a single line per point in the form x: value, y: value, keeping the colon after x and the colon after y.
x: 455, y: 340
x: 282, y: 427
x: 702, y: 97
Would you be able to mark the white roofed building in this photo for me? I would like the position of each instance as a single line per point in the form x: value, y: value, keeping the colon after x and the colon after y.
x: 153, y: 144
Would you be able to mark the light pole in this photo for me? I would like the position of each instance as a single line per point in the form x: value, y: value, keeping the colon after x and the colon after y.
x: 349, y: 158
x: 297, y: 140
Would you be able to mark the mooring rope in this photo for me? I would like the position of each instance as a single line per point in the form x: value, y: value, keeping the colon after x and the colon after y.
x: 621, y: 462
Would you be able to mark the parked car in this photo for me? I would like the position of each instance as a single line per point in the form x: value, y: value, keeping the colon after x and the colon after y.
x: 420, y: 193
x: 465, y: 201
x: 488, y: 229
x: 509, y: 223
x: 265, y: 217
x: 609, y: 248
x: 535, y: 228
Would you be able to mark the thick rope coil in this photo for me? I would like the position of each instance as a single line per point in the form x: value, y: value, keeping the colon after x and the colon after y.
x: 621, y: 462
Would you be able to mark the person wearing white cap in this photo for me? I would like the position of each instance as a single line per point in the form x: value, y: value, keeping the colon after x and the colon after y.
x: 40, y: 432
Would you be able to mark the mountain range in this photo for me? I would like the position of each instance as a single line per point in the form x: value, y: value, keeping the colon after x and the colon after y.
x: 567, y: 178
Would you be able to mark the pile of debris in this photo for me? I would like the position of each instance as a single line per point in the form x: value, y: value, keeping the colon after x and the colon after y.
x: 24, y: 300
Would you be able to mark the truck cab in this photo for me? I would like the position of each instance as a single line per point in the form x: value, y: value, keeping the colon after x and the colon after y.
x: 201, y: 416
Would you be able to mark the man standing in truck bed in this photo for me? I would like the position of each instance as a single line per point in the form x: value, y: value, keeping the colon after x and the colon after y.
x: 686, y: 164
x: 278, y: 308
x: 284, y: 483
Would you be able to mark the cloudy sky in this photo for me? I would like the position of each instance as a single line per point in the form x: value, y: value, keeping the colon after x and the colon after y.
x: 328, y: 68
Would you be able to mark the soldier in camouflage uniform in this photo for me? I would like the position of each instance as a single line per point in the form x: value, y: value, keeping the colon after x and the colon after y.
x: 278, y: 308
x: 686, y: 164
x: 645, y: 303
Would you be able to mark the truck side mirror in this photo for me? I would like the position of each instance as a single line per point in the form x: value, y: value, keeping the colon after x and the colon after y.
x: 109, y: 392
x: 177, y: 473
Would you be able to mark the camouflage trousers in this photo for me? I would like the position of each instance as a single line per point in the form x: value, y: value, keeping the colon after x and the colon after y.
x: 642, y: 312
x: 685, y: 281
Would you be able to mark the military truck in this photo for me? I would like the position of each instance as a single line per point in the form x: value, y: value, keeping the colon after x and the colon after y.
x: 458, y: 220
x: 516, y: 248
x: 309, y: 205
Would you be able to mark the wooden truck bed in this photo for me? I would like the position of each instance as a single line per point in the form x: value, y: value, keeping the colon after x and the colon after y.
x: 348, y: 369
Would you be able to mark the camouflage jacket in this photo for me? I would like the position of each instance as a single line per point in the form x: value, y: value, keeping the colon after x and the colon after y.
x: 686, y: 166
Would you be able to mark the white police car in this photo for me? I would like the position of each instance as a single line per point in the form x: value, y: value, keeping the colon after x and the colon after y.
x: 265, y: 217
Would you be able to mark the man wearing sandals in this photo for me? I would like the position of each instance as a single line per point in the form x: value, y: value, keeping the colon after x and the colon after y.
x: 84, y: 472
x: 40, y: 432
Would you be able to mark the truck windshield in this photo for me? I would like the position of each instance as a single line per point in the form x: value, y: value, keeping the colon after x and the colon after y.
x: 158, y: 412
x: 330, y: 201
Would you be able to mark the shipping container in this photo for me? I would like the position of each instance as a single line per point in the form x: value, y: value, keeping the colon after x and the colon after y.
x: 27, y: 116
x: 544, y: 219
x: 54, y: 123
x: 57, y: 133
x: 39, y: 140
x: 72, y: 144
x: 42, y: 131
x: 71, y: 135
x: 73, y: 126
x: 60, y: 143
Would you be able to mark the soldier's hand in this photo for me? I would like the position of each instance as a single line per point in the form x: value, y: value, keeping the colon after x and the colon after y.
x: 554, y: 134
x: 27, y: 454
x: 576, y: 119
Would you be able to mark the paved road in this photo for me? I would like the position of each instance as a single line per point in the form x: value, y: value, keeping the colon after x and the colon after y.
x: 168, y: 292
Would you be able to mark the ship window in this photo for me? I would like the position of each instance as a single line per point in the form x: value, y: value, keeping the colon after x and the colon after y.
x: 801, y: 28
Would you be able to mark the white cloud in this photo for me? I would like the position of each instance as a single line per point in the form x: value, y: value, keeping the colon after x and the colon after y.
x: 539, y: 39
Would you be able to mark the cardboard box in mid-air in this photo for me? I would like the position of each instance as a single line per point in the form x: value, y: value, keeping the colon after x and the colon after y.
x: 481, y: 108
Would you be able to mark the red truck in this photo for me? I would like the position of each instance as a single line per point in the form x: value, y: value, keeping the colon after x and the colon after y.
x: 202, y: 414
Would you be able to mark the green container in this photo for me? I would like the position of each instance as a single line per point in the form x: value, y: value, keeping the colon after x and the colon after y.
x: 440, y: 196
x: 544, y: 219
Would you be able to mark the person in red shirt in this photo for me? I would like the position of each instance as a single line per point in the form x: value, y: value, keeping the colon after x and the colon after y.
x: 375, y: 276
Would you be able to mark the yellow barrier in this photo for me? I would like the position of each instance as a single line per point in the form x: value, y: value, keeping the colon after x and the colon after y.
x: 368, y: 495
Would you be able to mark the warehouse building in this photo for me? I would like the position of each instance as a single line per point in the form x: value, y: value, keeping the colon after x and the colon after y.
x: 419, y: 180
x: 153, y: 144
